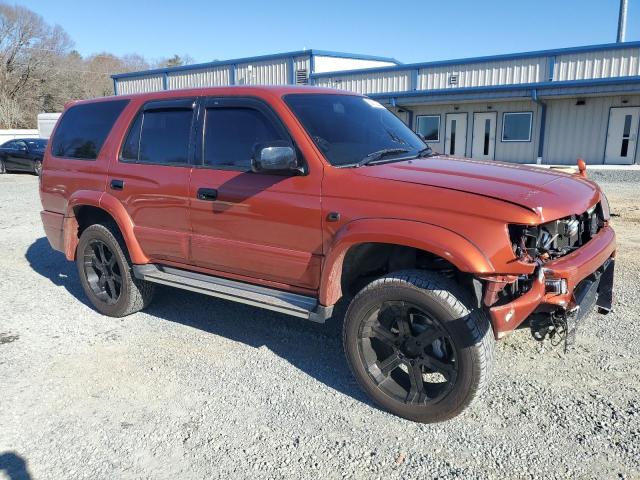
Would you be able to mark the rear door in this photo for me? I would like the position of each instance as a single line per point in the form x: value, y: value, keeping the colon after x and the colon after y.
x: 262, y: 226
x: 151, y: 177
x: 7, y: 153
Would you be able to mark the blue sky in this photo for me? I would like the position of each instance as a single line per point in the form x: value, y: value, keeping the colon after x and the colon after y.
x: 410, y: 31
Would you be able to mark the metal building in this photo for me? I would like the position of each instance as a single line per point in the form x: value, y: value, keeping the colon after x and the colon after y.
x: 550, y: 106
x: 277, y: 69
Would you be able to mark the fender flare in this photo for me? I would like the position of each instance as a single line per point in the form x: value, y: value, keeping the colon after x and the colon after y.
x: 461, y: 252
x: 114, y: 208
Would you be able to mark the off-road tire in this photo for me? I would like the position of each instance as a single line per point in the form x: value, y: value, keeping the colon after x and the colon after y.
x: 135, y: 294
x: 469, y: 330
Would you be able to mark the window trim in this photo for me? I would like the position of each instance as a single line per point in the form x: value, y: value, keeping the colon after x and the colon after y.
x: 125, y: 102
x: 156, y: 105
x: 417, y: 122
x: 256, y: 103
x: 528, y: 140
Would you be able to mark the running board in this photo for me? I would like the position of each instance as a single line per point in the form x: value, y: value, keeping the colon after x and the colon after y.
x: 263, y: 297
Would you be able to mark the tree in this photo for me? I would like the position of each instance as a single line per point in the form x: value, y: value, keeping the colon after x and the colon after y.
x: 39, y: 71
x: 29, y: 49
x: 175, y: 61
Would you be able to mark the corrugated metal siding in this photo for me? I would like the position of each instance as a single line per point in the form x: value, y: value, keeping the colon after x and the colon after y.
x: 517, y: 152
x: 207, y: 77
x: 579, y: 131
x: 271, y: 72
x: 367, y: 83
x: 598, y: 64
x: 525, y: 70
x: 148, y: 83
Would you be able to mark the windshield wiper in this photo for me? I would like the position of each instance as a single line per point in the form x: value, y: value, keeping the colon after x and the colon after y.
x: 373, y: 156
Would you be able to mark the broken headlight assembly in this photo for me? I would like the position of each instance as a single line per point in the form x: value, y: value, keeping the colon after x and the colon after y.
x: 547, y: 241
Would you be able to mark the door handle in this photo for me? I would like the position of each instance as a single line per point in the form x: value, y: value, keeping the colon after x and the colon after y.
x: 209, y: 194
x: 117, y: 184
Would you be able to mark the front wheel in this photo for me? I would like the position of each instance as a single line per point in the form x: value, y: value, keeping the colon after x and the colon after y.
x: 3, y: 169
x: 416, y: 346
x: 105, y: 272
x: 37, y: 167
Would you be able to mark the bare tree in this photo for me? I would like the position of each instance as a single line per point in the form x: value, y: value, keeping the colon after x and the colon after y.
x: 29, y: 50
x: 39, y: 71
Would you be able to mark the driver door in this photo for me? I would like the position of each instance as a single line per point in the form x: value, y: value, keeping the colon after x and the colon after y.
x: 265, y: 227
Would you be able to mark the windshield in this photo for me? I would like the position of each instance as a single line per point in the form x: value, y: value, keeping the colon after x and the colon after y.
x: 348, y: 129
x: 37, y: 144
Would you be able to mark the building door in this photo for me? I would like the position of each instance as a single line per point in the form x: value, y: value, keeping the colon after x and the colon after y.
x: 483, y: 144
x: 456, y: 134
x: 622, y: 135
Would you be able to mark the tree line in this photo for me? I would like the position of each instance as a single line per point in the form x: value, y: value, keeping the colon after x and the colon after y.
x: 40, y: 71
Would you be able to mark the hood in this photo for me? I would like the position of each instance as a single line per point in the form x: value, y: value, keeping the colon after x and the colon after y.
x: 550, y: 194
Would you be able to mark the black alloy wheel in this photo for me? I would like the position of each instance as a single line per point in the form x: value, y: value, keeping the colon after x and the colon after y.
x: 102, y: 272
x: 417, y: 346
x: 408, y: 354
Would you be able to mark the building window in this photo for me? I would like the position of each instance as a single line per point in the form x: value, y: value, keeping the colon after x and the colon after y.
x: 516, y: 126
x: 429, y: 127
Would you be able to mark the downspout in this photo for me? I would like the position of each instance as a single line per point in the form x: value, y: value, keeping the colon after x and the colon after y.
x: 543, y: 123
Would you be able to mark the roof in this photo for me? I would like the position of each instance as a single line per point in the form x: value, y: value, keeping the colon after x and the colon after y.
x: 260, y: 58
x: 231, y: 90
x: 490, y: 58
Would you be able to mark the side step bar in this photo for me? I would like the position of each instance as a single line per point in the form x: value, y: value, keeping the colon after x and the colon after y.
x: 263, y: 297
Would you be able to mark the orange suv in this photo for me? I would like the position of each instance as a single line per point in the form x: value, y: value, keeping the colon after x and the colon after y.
x: 295, y: 198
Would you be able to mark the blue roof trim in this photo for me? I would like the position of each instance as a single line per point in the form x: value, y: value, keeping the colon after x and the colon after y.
x: 490, y: 58
x: 518, y: 86
x: 260, y: 58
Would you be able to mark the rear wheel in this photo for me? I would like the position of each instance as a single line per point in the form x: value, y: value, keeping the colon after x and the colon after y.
x: 416, y: 347
x: 106, y: 275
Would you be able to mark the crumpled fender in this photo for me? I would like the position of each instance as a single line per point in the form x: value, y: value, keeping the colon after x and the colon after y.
x: 434, y: 239
x: 114, y: 208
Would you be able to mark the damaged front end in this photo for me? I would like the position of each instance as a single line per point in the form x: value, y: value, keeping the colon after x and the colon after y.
x: 572, y: 262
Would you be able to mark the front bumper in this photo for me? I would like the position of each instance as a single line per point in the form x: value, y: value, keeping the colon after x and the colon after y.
x: 587, y: 261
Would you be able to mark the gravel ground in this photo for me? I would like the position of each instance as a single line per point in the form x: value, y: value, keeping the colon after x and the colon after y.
x: 200, y: 388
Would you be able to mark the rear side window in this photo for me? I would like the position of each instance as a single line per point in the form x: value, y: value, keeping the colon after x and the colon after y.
x: 160, y: 137
x: 84, y: 128
x: 231, y: 135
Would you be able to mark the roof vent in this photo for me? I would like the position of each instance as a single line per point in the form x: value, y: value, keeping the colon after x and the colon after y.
x: 302, y: 77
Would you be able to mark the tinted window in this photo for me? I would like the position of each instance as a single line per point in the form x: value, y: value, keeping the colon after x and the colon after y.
x: 131, y: 147
x: 84, y: 128
x: 348, y: 128
x: 232, y: 133
x: 159, y: 136
x: 9, y: 144
x: 516, y: 127
x: 429, y: 127
x: 37, y: 144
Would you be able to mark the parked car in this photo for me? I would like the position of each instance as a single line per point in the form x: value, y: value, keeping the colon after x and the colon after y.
x: 299, y: 199
x: 22, y: 155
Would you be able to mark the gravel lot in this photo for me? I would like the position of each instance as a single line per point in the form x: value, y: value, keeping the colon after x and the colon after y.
x: 202, y: 388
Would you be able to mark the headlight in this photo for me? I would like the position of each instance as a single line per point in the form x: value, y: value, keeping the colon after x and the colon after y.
x: 606, y: 213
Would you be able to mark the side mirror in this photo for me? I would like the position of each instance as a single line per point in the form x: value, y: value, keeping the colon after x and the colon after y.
x: 276, y: 157
x: 22, y: 148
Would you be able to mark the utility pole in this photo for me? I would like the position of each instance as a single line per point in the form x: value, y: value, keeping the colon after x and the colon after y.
x: 622, y: 21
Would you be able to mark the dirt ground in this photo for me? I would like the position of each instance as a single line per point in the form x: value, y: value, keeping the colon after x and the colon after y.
x: 201, y: 388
